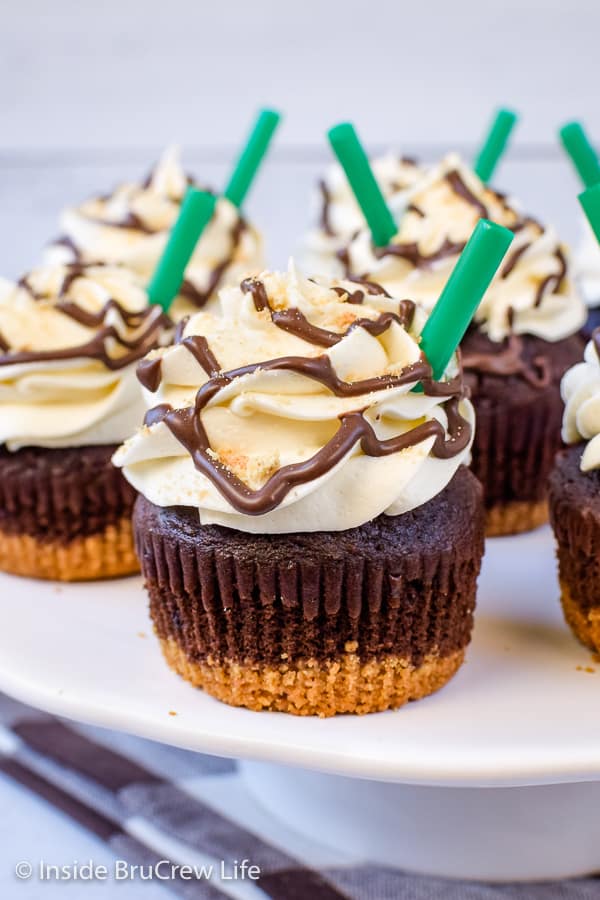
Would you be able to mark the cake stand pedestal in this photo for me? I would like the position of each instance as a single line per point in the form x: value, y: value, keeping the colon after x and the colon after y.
x: 536, y: 833
x: 497, y: 776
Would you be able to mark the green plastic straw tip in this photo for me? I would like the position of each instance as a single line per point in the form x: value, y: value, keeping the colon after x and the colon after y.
x: 590, y: 201
x: 468, y: 282
x: 495, y: 143
x: 576, y: 143
x: 251, y: 156
x: 353, y: 159
x: 196, y: 211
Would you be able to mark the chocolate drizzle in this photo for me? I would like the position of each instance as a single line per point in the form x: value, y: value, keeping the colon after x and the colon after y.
x: 198, y: 347
x: 149, y: 373
x: 509, y: 359
x: 552, y: 283
x: 459, y: 187
x: 512, y: 259
x: 200, y: 298
x: 186, y: 424
x: 411, y: 253
x: 67, y: 242
x: 295, y: 322
x: 325, y: 205
x: 146, y: 321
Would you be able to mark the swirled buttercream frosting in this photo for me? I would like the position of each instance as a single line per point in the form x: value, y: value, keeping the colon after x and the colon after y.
x: 580, y: 389
x: 292, y: 409
x: 533, y: 293
x: 70, y: 339
x: 337, y: 215
x: 130, y: 227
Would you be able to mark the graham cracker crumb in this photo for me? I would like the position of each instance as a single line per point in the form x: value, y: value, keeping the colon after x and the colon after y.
x: 585, y: 626
x: 313, y: 688
x: 107, y: 554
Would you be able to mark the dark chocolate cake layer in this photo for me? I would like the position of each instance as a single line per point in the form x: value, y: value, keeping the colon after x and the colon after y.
x: 61, y: 494
x: 575, y: 517
x: 401, y: 586
x: 515, y: 389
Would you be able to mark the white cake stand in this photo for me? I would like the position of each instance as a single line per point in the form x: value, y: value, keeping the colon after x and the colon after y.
x: 495, y: 777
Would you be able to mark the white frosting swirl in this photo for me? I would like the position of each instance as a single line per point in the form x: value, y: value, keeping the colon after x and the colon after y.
x: 130, y: 227
x: 53, y: 396
x: 580, y: 389
x: 335, y: 206
x: 587, y: 265
x: 261, y: 421
x: 534, y: 292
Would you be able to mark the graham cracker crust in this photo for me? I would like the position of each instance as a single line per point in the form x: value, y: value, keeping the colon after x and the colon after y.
x: 312, y: 688
x: 515, y: 517
x: 585, y: 626
x: 106, y: 554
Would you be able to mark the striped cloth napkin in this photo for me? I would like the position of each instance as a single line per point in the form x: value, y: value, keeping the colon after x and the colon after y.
x: 148, y: 804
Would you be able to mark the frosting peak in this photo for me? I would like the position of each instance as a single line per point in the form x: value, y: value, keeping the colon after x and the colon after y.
x: 534, y: 292
x: 131, y: 225
x: 292, y: 410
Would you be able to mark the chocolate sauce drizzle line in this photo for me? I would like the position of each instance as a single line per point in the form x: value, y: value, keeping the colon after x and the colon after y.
x: 295, y: 322
x: 410, y: 250
x: 596, y: 340
x: 200, y: 298
x: 95, y: 348
x: 325, y: 217
x: 509, y: 360
x: 552, y: 283
x: 187, y: 428
x: 186, y: 424
x: 131, y: 220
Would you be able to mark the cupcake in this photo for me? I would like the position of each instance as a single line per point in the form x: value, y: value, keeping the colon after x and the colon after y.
x: 131, y: 225
x: 575, y: 498
x: 524, y: 336
x: 309, y: 535
x: 338, y: 215
x: 70, y: 339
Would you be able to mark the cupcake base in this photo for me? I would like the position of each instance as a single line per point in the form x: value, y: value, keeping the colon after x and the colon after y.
x: 575, y: 517
x: 515, y: 517
x: 65, y: 514
x: 316, y: 623
x: 108, y: 554
x: 519, y: 417
x: 313, y: 688
x: 585, y: 624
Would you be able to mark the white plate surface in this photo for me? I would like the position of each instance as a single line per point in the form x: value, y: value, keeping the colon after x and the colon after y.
x: 523, y: 710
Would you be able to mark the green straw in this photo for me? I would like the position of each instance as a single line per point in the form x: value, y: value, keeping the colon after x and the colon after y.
x: 353, y: 159
x: 495, y: 144
x: 463, y: 292
x: 576, y: 143
x: 196, y: 211
x: 590, y: 201
x: 251, y: 156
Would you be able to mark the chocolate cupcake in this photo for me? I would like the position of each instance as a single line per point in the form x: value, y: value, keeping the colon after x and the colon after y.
x: 575, y: 498
x: 309, y: 535
x: 524, y: 337
x: 70, y: 339
x: 131, y: 225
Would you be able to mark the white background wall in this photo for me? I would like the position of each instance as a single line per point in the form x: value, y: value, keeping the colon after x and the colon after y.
x: 89, y: 92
